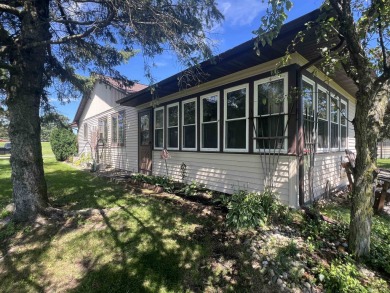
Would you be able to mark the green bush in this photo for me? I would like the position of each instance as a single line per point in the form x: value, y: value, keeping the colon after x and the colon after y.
x: 63, y: 143
x: 249, y: 210
x: 342, y: 276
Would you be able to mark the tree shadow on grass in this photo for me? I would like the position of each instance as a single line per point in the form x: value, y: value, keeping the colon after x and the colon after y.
x: 124, y: 243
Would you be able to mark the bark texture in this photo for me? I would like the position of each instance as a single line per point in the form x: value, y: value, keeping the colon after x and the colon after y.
x: 25, y: 91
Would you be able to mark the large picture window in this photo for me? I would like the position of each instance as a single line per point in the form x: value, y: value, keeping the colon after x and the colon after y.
x: 270, y: 109
x: 322, y: 110
x: 159, y: 128
x: 173, y: 126
x: 103, y: 129
x: 189, y: 124
x: 236, y: 122
x: 210, y: 122
x: 118, y: 128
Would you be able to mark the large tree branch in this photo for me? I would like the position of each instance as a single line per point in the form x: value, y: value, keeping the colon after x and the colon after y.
x: 382, y: 43
x: 10, y: 9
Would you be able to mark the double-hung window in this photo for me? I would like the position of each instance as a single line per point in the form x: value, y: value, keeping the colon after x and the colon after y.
x: 173, y: 126
x: 189, y: 138
x: 159, y: 128
x: 343, y: 124
x: 118, y: 128
x: 103, y: 129
x: 209, y: 119
x: 270, y: 109
x: 334, y: 122
x: 236, y: 118
x: 308, y: 98
x: 322, y: 110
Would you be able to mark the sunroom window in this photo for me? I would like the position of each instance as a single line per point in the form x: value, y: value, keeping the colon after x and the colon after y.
x: 210, y: 122
x: 173, y: 126
x: 189, y: 124
x: 236, y: 122
x: 322, y: 110
x: 343, y: 124
x: 334, y: 122
x: 308, y: 98
x: 159, y: 128
x: 103, y: 129
x: 118, y: 128
x: 270, y: 109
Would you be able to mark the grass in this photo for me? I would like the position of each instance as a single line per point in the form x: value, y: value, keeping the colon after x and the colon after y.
x: 384, y: 163
x: 123, y: 242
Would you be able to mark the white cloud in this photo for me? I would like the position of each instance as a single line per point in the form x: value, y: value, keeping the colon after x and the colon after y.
x: 242, y: 12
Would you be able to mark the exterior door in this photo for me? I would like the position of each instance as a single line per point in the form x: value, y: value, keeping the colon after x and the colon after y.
x: 145, y: 142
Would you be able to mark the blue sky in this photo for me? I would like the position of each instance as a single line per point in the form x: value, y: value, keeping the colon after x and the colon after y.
x: 241, y: 18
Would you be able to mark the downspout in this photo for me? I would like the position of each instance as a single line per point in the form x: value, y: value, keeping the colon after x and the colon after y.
x: 300, y: 138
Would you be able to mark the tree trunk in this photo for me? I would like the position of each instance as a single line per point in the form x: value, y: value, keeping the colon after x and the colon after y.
x: 370, y: 110
x: 25, y: 91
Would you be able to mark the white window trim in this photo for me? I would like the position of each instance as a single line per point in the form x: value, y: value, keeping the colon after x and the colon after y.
x: 178, y: 125
x: 201, y: 121
x: 196, y: 124
x: 225, y: 93
x: 283, y: 76
x: 321, y: 88
x: 332, y: 97
x: 342, y: 101
x: 313, y: 84
x: 154, y: 128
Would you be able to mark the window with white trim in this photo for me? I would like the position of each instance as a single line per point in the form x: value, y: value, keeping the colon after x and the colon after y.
x: 343, y: 123
x: 334, y: 122
x: 270, y: 105
x: 189, y: 117
x: 159, y: 128
x: 103, y: 129
x: 118, y: 128
x: 173, y: 126
x: 236, y: 118
x: 322, y: 110
x: 209, y: 120
x: 308, y: 99
x: 85, y: 131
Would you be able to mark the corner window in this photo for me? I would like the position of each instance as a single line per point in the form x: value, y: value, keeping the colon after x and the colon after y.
x: 103, y: 129
x: 334, y: 122
x: 209, y: 119
x: 343, y: 124
x: 322, y: 110
x: 85, y: 131
x: 189, y: 124
x: 159, y: 128
x: 118, y: 128
x: 270, y: 113
x: 236, y: 122
x: 173, y: 126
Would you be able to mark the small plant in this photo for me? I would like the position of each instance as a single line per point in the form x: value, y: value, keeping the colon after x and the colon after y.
x: 342, y: 276
x: 191, y: 189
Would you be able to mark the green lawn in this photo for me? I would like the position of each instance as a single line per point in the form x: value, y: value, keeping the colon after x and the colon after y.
x: 384, y: 163
x: 124, y: 243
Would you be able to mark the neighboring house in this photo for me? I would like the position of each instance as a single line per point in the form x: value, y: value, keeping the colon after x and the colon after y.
x: 107, y: 130
x: 242, y: 127
x: 384, y: 149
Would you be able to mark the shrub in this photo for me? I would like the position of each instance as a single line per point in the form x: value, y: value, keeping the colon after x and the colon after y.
x: 63, y: 143
x: 249, y: 210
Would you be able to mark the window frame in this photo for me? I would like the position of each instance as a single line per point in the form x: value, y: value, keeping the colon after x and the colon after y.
x: 226, y: 120
x: 321, y: 88
x: 193, y: 100
x: 177, y: 126
x: 116, y: 116
x: 333, y: 97
x: 105, y: 128
x: 209, y: 95
x: 155, y: 128
x: 284, y: 77
x: 85, y: 131
x: 345, y: 102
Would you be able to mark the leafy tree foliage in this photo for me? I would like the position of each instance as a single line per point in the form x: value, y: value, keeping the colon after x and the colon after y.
x: 50, y: 121
x: 63, y: 143
x: 356, y: 35
x: 47, y: 43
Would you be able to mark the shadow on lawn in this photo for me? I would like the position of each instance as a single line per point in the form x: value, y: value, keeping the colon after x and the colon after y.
x: 129, y: 243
